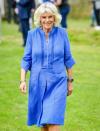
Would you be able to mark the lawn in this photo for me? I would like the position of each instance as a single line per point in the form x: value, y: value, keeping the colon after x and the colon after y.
x: 83, y: 107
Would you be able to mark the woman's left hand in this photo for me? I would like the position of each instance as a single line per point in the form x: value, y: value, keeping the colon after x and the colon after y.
x: 70, y: 88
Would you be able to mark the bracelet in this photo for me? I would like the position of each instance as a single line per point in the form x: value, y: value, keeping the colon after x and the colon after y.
x: 70, y: 79
x: 22, y: 81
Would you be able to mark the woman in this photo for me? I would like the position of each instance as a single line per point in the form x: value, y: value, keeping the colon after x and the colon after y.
x: 47, y: 56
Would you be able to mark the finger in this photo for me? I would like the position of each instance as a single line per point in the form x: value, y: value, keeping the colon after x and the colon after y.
x: 24, y: 89
x: 20, y: 88
x: 69, y: 93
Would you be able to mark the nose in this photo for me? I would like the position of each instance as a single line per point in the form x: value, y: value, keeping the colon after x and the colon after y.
x: 47, y: 19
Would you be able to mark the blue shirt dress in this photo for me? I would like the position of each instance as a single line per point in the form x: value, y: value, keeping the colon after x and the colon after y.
x: 47, y: 62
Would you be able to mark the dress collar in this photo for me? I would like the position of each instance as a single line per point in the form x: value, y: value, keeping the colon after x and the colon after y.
x: 50, y: 33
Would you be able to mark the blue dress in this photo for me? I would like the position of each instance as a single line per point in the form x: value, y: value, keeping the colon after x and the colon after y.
x: 47, y: 62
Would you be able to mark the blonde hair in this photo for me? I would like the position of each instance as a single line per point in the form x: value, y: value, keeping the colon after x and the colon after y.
x: 49, y: 8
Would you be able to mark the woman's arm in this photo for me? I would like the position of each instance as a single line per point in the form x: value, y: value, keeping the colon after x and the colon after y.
x: 70, y: 80
x: 23, y: 75
x: 23, y: 81
x: 26, y: 62
x: 69, y: 62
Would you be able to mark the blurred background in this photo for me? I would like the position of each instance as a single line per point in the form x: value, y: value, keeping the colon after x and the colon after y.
x: 80, y: 8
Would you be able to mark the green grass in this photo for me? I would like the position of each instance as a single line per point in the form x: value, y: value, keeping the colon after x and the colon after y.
x: 82, y: 107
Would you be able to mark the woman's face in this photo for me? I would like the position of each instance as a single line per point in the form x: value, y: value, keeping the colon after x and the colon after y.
x: 47, y: 21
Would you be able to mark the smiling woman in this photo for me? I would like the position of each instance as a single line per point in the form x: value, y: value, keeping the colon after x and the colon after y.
x: 47, y: 55
x: 47, y: 21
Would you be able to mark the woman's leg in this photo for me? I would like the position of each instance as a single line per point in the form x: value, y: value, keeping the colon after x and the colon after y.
x: 53, y: 128
x: 45, y: 128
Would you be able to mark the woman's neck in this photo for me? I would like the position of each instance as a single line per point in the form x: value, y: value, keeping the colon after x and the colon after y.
x: 46, y: 32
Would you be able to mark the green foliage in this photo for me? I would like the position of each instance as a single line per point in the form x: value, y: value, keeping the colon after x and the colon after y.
x: 80, y: 8
x: 82, y: 107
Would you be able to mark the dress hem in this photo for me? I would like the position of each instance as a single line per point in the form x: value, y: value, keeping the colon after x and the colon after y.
x: 43, y: 124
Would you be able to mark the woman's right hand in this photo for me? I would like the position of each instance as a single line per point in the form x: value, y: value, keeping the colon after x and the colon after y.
x: 23, y: 87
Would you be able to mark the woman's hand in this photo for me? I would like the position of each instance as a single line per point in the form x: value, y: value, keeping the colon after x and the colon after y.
x: 70, y: 88
x: 23, y: 81
x: 23, y: 87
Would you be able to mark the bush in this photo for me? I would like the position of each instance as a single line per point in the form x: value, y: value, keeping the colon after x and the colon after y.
x: 80, y: 8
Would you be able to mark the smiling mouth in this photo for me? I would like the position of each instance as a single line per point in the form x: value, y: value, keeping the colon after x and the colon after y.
x: 48, y: 23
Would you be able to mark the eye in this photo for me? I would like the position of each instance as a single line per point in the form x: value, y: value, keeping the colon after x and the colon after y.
x: 43, y: 17
x: 51, y: 16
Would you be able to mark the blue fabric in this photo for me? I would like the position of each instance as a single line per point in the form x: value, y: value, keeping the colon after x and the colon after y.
x: 25, y: 27
x: 64, y: 11
x: 48, y: 1
x: 48, y: 79
x: 24, y: 7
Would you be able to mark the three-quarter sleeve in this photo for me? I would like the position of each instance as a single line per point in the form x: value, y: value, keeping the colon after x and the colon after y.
x: 27, y: 58
x: 68, y: 59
